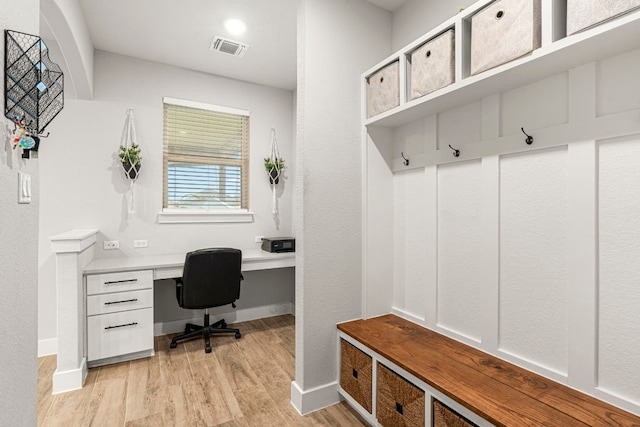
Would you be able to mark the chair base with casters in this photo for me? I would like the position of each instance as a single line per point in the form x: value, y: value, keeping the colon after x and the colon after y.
x: 193, y: 331
x: 210, y: 278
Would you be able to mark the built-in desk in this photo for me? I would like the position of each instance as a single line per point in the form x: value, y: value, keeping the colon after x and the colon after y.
x: 119, y: 291
x: 170, y: 266
x: 77, y: 270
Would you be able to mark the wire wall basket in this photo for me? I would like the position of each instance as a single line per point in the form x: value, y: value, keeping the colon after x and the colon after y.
x: 34, y: 84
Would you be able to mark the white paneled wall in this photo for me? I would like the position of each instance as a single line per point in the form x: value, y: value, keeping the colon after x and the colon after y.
x: 613, y: 97
x: 538, y: 105
x: 619, y: 290
x: 533, y: 258
x: 528, y: 252
x: 410, y: 251
x: 459, y: 287
x: 450, y: 131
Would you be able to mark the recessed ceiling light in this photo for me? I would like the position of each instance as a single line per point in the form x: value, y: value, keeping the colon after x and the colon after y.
x: 235, y: 26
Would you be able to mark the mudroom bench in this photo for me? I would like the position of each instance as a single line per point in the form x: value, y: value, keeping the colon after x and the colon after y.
x: 397, y: 373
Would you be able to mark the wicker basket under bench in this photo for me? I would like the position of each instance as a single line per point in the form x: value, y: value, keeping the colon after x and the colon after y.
x: 416, y: 377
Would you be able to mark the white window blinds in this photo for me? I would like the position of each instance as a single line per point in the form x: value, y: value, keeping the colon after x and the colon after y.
x: 206, y: 157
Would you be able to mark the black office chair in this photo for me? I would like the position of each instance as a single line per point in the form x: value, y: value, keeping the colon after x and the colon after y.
x: 211, y: 278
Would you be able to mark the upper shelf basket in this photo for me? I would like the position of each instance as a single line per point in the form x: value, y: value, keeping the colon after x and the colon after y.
x: 34, y: 85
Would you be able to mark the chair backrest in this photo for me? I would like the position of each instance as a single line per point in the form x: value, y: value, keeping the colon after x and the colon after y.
x: 211, y: 278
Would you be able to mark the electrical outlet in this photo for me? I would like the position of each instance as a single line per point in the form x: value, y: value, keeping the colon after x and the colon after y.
x: 259, y: 239
x: 139, y: 243
x: 111, y: 244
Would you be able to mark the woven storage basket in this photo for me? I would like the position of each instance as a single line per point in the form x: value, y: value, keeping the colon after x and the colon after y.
x: 433, y: 65
x: 583, y: 14
x: 443, y: 416
x: 503, y: 31
x: 399, y: 403
x: 356, y: 374
x: 383, y: 89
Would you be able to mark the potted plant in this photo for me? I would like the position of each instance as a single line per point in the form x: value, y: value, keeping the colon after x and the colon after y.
x: 131, y: 160
x: 274, y: 168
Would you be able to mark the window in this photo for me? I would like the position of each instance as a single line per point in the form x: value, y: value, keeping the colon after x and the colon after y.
x: 205, y: 157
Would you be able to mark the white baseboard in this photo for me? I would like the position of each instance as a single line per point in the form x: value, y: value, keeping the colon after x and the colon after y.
x: 233, y: 316
x: 47, y: 347
x: 72, y: 379
x: 314, y: 399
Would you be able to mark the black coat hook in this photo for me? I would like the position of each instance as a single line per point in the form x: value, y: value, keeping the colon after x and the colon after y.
x: 406, y: 161
x: 529, y: 139
x: 456, y: 152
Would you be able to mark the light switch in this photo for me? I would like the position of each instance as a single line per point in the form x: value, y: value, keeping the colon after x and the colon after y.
x: 24, y: 188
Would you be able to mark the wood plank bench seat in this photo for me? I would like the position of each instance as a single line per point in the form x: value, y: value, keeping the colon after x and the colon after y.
x: 498, y: 391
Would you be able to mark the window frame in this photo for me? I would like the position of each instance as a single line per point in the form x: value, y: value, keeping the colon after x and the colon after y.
x: 205, y: 215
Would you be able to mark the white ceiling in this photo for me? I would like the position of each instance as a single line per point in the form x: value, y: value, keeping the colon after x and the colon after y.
x: 390, y: 5
x: 179, y: 33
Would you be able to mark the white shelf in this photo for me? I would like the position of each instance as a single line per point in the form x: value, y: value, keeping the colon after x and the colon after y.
x: 603, y: 41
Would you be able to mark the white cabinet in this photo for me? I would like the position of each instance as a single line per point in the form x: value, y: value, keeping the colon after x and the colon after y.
x: 433, y: 221
x: 119, y: 309
x: 557, y: 53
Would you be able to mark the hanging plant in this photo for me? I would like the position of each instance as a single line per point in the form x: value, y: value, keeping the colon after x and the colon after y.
x: 274, y: 168
x: 131, y: 160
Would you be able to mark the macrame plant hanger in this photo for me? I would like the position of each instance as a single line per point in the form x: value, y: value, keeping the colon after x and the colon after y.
x: 129, y: 168
x: 274, y: 178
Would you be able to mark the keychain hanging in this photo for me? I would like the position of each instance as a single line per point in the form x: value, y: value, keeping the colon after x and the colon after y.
x: 21, y: 137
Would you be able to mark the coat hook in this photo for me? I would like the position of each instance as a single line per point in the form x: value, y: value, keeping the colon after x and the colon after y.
x: 456, y: 152
x: 529, y: 139
x: 406, y: 161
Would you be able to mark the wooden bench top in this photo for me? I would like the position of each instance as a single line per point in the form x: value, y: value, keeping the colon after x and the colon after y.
x: 500, y: 392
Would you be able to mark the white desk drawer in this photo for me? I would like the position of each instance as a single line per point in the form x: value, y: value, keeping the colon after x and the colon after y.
x: 119, y: 301
x: 118, y: 282
x: 116, y: 334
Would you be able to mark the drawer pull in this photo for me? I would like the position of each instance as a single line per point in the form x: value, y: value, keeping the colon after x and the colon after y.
x: 115, y: 282
x: 120, y: 302
x: 121, y: 326
x: 399, y: 408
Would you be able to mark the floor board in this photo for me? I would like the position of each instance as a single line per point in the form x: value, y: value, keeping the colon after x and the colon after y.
x: 241, y: 383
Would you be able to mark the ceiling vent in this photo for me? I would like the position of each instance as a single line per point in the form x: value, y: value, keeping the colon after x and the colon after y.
x: 229, y: 46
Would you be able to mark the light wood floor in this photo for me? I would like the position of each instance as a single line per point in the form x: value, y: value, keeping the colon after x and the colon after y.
x: 243, y: 382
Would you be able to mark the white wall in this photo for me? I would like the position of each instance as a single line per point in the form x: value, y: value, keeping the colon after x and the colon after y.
x: 83, y: 186
x: 337, y: 41
x: 417, y: 17
x: 64, y: 21
x: 527, y: 252
x: 19, y: 268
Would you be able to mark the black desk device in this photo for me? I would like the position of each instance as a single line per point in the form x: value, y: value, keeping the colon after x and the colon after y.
x: 279, y: 244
